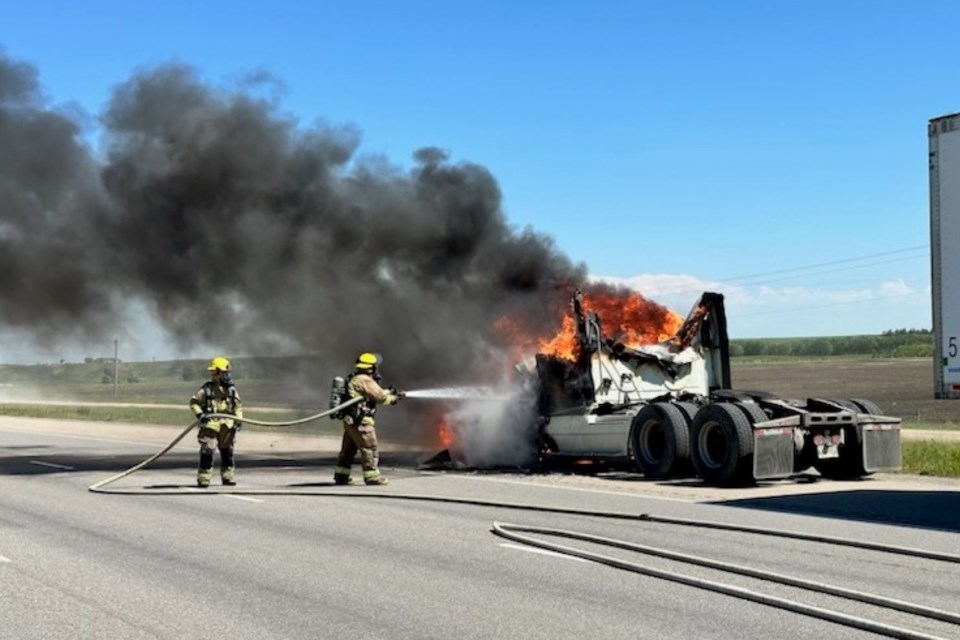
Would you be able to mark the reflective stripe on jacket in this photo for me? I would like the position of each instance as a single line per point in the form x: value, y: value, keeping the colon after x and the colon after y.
x: 214, y: 397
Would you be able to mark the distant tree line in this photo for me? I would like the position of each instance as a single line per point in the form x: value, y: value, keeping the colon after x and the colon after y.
x: 898, y: 343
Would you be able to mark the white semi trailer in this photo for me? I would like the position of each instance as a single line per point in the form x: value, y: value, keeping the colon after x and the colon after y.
x: 944, y: 135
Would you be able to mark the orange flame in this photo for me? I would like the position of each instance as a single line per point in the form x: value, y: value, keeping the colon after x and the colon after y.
x: 632, y: 319
x: 444, y: 433
x: 625, y: 316
x: 563, y: 344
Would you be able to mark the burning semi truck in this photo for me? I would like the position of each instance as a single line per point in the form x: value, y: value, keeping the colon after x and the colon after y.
x: 669, y: 409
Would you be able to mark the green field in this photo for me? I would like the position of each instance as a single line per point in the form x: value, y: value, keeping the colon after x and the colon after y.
x: 932, y: 459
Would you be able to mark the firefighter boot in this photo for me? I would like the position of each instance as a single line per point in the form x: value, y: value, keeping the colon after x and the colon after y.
x: 205, y: 471
x: 374, y: 478
x: 341, y: 476
x: 227, y: 469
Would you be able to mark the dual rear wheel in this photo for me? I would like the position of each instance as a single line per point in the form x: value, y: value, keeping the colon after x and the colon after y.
x: 677, y: 439
x: 716, y: 440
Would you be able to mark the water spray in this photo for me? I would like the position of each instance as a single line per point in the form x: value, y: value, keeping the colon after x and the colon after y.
x: 458, y: 393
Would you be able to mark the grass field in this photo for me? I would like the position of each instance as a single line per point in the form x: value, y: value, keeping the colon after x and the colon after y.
x: 931, y: 458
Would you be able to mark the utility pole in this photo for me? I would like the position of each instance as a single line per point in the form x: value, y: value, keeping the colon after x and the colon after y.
x: 116, y: 364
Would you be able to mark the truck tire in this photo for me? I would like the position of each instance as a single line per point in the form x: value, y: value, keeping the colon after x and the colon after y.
x: 849, y: 465
x: 660, y: 439
x: 753, y: 412
x: 688, y: 409
x: 684, y: 468
x: 867, y: 406
x: 722, y: 444
x: 848, y: 404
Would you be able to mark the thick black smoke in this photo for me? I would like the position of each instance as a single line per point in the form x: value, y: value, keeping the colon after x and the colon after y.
x: 52, y: 262
x: 239, y: 227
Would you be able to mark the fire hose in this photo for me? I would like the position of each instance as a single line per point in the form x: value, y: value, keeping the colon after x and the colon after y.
x: 98, y: 487
x: 511, y: 532
x: 515, y: 532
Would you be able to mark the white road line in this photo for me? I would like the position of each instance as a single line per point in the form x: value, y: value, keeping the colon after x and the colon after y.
x: 52, y: 465
x: 524, y: 483
x: 72, y: 436
x: 236, y: 497
x: 546, y: 552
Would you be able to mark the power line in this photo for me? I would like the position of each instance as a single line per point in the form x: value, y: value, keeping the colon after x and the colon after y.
x: 829, y: 271
x: 834, y: 262
x: 818, y: 271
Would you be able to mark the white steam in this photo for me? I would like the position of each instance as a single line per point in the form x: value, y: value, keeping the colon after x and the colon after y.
x: 496, y: 431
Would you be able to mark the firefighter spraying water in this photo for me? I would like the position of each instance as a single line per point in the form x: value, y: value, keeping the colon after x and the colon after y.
x: 359, y: 431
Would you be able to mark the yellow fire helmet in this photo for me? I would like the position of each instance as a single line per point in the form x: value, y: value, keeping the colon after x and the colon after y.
x: 220, y: 364
x: 367, y: 361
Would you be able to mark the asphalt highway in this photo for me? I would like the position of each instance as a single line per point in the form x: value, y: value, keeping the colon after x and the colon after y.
x: 338, y: 562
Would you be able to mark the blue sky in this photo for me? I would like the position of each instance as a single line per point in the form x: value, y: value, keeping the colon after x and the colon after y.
x: 772, y: 151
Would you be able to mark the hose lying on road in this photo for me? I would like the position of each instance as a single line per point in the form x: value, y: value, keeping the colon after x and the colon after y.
x: 511, y: 532
x: 98, y: 487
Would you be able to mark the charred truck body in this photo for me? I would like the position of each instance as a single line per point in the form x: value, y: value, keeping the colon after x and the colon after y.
x: 669, y: 410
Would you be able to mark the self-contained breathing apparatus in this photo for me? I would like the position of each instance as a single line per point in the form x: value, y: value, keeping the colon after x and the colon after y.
x: 339, y: 395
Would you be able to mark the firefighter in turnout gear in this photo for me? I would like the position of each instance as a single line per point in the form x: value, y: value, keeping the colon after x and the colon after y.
x: 217, y: 395
x: 359, y: 431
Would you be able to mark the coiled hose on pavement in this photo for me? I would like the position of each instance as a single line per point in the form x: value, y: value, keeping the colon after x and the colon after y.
x: 515, y: 532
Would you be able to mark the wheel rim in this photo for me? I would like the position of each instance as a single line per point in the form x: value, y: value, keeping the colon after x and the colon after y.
x: 654, y: 441
x: 713, y: 444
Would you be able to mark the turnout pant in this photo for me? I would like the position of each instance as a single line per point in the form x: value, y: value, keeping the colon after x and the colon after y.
x: 360, y: 439
x: 209, y: 440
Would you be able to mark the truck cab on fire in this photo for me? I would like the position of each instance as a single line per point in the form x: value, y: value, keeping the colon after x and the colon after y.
x: 669, y: 410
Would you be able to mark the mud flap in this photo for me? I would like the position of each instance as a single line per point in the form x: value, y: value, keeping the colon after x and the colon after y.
x: 773, y: 453
x: 881, y: 447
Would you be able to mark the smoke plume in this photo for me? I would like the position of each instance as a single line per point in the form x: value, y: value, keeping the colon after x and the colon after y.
x: 237, y: 226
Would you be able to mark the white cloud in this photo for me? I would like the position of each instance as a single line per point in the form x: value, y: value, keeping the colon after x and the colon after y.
x: 793, y: 311
x: 896, y: 288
